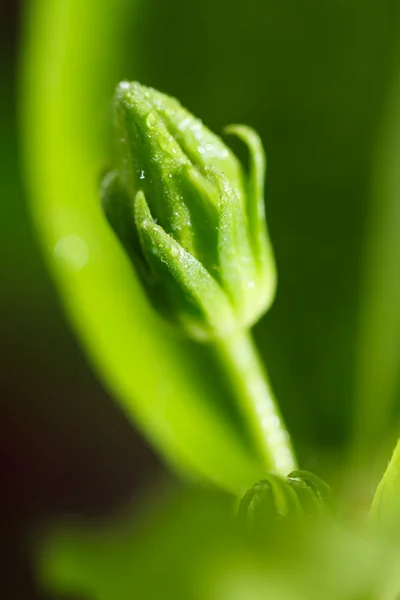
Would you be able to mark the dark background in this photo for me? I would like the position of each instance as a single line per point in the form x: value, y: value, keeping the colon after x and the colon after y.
x: 312, y: 77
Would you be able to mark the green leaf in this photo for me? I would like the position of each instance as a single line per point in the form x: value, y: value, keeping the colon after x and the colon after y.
x: 378, y: 356
x: 385, y: 509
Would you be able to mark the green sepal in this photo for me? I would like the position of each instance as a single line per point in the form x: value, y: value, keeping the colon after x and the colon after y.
x: 236, y: 263
x: 203, y: 203
x: 118, y: 210
x: 201, y: 145
x: 201, y: 305
x: 255, y: 208
x: 151, y: 160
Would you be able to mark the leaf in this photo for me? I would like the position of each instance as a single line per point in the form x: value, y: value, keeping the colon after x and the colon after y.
x: 378, y: 358
x: 186, y: 546
x: 385, y: 509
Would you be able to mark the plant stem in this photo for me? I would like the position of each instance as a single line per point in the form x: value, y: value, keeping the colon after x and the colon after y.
x: 248, y: 378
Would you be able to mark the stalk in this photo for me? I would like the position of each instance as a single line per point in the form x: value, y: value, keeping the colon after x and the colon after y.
x: 242, y: 367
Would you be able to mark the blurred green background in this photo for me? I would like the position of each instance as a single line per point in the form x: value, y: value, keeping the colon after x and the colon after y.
x: 315, y: 79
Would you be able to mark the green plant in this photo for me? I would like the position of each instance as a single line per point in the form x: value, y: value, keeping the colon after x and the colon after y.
x: 209, y: 429
x: 193, y: 223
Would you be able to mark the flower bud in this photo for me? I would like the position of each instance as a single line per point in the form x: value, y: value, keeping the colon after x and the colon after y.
x: 267, y: 501
x: 302, y: 495
x: 189, y: 216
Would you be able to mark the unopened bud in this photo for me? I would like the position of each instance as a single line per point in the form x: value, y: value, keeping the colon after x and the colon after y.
x: 191, y: 219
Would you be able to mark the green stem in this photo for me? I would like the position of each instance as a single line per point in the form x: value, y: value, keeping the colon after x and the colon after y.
x: 243, y: 367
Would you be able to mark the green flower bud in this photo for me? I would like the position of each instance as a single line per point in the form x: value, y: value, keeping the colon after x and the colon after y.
x: 267, y: 501
x: 301, y: 496
x: 192, y: 221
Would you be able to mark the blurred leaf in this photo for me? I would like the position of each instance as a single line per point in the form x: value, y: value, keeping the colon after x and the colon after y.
x: 378, y: 364
x: 74, y: 54
x: 188, y: 546
x: 385, y: 510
